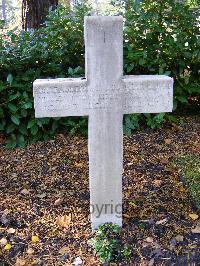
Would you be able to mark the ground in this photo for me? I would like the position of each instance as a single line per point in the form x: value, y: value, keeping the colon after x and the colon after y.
x: 44, y: 200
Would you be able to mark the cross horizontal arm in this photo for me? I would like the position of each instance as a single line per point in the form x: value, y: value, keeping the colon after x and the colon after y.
x: 147, y: 94
x: 60, y: 97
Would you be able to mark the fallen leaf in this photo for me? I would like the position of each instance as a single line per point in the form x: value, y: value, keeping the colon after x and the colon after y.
x: 78, y: 261
x: 149, y: 240
x: 3, y: 241
x: 25, y: 191
x: 151, y: 262
x: 157, y: 182
x: 20, y: 262
x: 196, y: 230
x: 164, y: 161
x: 63, y: 221
x: 179, y: 238
x: 163, y: 221
x: 175, y: 127
x: 41, y: 196
x: 30, y: 251
x: 7, y: 246
x: 126, y: 216
x: 11, y: 231
x: 4, y: 220
x: 34, y: 239
x: 168, y: 141
x: 64, y: 250
x: 193, y: 216
x: 182, y: 189
x: 58, y: 201
x: 79, y: 165
x: 133, y: 204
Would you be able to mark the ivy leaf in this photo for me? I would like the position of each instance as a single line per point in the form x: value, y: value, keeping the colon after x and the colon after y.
x: 31, y: 124
x: 34, y: 130
x: 15, y: 120
x: 23, y: 129
x: 12, y: 107
x: 27, y: 105
x: 10, y: 128
x: 10, y: 78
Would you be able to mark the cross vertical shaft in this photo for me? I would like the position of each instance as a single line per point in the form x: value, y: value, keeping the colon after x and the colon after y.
x: 103, y: 39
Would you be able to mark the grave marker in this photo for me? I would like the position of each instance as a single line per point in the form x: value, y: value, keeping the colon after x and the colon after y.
x: 105, y: 95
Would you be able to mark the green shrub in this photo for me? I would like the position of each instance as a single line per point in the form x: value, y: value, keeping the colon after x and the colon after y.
x: 56, y: 50
x: 160, y: 38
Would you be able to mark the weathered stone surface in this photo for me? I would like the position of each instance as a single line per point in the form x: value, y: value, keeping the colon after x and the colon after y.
x: 105, y: 95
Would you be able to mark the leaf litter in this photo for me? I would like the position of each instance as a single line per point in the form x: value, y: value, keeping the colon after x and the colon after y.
x: 44, y: 200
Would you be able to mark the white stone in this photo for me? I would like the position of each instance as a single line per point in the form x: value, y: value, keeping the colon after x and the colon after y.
x: 104, y: 95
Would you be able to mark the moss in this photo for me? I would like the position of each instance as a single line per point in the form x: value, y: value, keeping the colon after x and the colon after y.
x: 190, y: 169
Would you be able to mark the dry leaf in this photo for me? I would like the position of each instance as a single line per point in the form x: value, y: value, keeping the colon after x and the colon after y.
x: 64, y: 250
x: 34, y: 239
x: 58, y: 201
x: 149, y: 240
x: 20, y: 262
x: 157, y: 182
x: 11, y: 231
x: 126, y: 216
x: 196, y: 230
x: 7, y: 246
x: 133, y: 204
x: 151, y: 262
x: 63, y: 221
x: 168, y: 141
x: 30, y: 251
x: 78, y: 261
x: 182, y: 189
x: 175, y: 127
x: 41, y: 196
x: 79, y: 165
x: 193, y: 216
x: 25, y: 191
x: 164, y: 160
x: 179, y: 238
x: 162, y: 221
x: 3, y: 241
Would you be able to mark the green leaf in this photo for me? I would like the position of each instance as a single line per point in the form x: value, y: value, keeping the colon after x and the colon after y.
x: 21, y: 140
x: 24, y: 113
x: 10, y: 128
x: 142, y: 61
x: 34, y: 130
x: 13, y: 96
x: 182, y: 99
x: 15, y: 119
x: 129, y: 68
x: 12, y: 107
x: 23, y: 129
x: 10, y: 79
x: 11, y: 144
x: 31, y: 124
x: 27, y: 105
x: 1, y: 112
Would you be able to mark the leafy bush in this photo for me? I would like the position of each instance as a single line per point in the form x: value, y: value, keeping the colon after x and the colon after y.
x: 25, y: 56
x: 108, y: 244
x: 160, y: 38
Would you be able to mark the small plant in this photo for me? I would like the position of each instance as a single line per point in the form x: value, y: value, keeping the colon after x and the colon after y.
x: 108, y: 244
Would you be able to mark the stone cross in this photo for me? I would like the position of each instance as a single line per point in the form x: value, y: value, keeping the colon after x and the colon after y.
x: 104, y: 95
